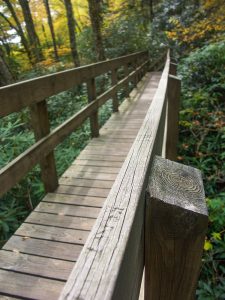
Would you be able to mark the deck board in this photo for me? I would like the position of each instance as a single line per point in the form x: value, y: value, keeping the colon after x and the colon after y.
x: 38, y: 258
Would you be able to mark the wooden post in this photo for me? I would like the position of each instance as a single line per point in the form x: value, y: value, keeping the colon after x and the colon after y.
x: 173, y: 94
x: 173, y: 69
x: 40, y: 123
x: 126, y: 73
x: 115, y: 98
x: 176, y: 224
x: 136, y: 75
x: 91, y: 88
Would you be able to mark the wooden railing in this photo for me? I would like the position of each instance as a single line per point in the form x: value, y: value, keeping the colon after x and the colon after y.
x: 161, y: 231
x: 33, y: 94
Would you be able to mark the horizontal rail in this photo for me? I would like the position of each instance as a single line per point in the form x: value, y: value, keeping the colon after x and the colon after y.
x: 17, y: 96
x: 109, y: 266
x: 22, y: 164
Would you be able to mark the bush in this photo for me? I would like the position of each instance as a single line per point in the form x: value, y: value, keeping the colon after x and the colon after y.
x: 202, y: 144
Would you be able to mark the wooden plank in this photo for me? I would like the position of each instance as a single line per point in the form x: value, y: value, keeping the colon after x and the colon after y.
x: 94, y: 169
x: 176, y: 225
x: 114, y: 241
x: 35, y: 265
x: 96, y: 157
x: 41, y: 126
x: 72, y: 236
x: 82, y: 191
x: 60, y: 221
x: 22, y: 285
x: 86, y: 182
x: 89, y: 175
x: 25, y: 93
x: 63, y: 251
x: 117, y: 145
x: 109, y: 145
x: 69, y: 210
x: 74, y: 199
x: 97, y: 163
x: 174, y: 89
x: 105, y: 152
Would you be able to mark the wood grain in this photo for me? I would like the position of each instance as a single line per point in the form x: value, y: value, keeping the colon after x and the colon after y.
x: 35, y: 265
x: 57, y: 250
x: 176, y: 224
x: 69, y: 210
x: 71, y: 236
x: 22, y: 285
x: 60, y: 221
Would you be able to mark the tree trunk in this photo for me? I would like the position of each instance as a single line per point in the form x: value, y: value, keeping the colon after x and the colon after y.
x: 72, y: 34
x: 5, y: 74
x: 96, y: 22
x: 4, y: 42
x: 147, y: 6
x: 18, y: 28
x: 32, y: 35
x: 50, y: 23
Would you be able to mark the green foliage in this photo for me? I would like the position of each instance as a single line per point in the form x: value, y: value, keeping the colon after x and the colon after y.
x: 202, y: 144
x: 127, y: 34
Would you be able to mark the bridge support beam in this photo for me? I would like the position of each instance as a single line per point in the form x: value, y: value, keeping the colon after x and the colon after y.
x: 175, y: 228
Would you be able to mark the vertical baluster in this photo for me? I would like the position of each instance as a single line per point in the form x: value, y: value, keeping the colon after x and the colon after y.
x: 126, y: 73
x: 91, y: 89
x: 41, y: 126
x: 115, y: 97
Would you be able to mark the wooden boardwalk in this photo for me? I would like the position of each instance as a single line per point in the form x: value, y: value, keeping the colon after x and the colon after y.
x: 37, y: 260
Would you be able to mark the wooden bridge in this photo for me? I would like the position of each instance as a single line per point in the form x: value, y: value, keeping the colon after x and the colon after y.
x: 53, y: 254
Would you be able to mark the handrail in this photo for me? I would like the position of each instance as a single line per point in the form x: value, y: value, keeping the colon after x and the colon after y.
x: 109, y: 264
x: 22, y: 94
x: 32, y: 91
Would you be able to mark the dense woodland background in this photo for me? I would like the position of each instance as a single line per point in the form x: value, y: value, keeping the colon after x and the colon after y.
x: 39, y: 37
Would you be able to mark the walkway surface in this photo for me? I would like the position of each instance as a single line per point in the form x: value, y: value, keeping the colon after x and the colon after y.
x: 37, y: 260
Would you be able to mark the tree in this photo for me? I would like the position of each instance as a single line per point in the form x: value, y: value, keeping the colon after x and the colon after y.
x: 96, y: 22
x: 147, y: 6
x: 17, y: 28
x: 50, y: 23
x: 32, y: 35
x: 5, y: 74
x: 72, y: 35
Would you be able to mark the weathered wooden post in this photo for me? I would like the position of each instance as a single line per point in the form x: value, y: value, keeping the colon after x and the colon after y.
x: 173, y: 94
x: 126, y: 73
x: 91, y: 89
x: 41, y: 126
x: 175, y: 228
x: 173, y: 69
x: 115, y: 98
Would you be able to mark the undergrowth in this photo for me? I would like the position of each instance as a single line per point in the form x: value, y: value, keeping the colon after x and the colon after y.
x: 202, y: 145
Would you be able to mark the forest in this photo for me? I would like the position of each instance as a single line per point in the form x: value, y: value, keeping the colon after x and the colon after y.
x: 39, y: 37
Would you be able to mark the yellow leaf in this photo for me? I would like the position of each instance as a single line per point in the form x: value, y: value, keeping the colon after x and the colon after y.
x: 216, y: 236
x: 207, y: 246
